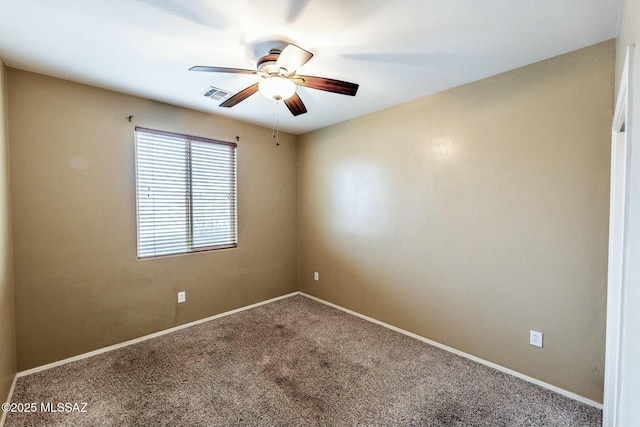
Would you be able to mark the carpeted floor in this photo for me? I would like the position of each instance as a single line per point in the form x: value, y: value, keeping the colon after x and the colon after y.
x: 294, y: 362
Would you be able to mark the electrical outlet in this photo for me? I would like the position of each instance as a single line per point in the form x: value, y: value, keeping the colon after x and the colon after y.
x: 316, y: 276
x: 535, y: 338
x: 182, y: 296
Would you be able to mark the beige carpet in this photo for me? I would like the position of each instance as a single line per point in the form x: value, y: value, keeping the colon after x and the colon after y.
x: 294, y: 362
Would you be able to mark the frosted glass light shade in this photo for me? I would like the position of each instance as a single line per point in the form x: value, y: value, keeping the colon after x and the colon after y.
x: 277, y: 88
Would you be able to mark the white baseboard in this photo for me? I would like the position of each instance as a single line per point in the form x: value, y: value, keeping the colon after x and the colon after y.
x: 146, y: 337
x: 3, y: 415
x: 527, y: 378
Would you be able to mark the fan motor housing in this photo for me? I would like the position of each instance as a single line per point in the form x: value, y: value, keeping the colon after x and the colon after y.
x: 267, y: 64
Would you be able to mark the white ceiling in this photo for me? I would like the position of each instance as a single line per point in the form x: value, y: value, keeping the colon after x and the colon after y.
x: 397, y: 50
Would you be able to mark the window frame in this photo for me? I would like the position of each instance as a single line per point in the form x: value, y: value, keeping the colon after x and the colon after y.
x: 188, y: 206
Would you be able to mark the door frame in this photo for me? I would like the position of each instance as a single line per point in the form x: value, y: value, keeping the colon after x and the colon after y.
x: 618, y: 243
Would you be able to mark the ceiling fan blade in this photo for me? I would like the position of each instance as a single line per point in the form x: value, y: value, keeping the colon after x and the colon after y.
x: 199, y: 12
x: 296, y: 7
x: 240, y: 96
x: 222, y: 70
x: 329, y: 85
x: 295, y: 105
x: 292, y: 58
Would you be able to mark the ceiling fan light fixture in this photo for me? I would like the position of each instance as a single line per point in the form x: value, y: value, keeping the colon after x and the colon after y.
x: 278, y: 88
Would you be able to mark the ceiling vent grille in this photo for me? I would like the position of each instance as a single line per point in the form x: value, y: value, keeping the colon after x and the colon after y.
x: 216, y: 93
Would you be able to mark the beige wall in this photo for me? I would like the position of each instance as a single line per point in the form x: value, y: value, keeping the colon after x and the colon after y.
x: 7, y: 333
x: 78, y: 283
x: 628, y: 408
x: 474, y: 215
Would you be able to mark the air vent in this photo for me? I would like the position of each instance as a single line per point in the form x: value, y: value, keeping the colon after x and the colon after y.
x: 216, y: 93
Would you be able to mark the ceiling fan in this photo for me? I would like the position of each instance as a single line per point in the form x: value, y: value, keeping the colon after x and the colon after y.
x: 278, y: 79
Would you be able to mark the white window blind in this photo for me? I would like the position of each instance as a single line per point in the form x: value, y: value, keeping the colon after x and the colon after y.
x: 186, y: 193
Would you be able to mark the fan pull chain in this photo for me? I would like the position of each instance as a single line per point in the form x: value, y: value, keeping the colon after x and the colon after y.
x: 275, y: 131
x: 273, y: 121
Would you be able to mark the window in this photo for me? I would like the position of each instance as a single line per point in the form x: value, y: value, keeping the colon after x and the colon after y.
x: 186, y: 193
